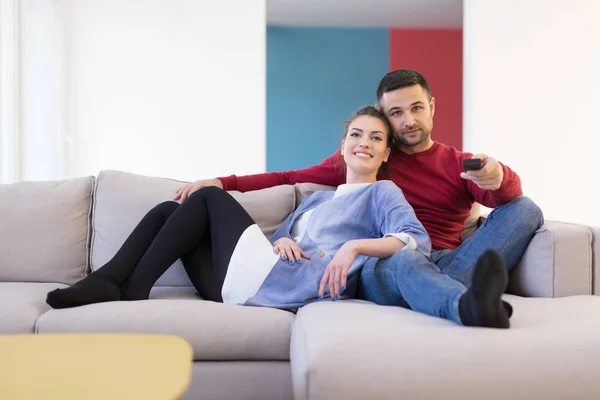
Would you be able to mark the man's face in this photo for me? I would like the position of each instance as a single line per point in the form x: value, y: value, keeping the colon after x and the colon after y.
x: 410, y: 112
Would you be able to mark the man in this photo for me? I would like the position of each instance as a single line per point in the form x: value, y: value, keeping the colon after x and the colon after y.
x: 433, y: 181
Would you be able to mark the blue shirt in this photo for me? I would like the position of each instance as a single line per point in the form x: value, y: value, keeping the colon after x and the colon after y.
x: 370, y: 212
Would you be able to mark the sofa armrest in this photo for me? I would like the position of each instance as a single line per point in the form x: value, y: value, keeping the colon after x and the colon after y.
x: 558, y: 262
x: 595, y: 259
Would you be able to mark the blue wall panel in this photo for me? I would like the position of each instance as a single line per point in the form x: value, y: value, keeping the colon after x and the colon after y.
x: 316, y: 78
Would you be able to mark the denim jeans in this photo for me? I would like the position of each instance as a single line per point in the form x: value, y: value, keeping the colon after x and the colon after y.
x: 434, y: 286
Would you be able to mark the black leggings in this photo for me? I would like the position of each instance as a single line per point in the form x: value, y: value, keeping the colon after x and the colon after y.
x: 207, y: 225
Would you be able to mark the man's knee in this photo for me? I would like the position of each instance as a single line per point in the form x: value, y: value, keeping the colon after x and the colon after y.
x: 526, y: 204
x: 529, y: 212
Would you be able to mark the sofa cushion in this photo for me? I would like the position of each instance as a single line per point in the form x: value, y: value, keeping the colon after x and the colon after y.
x: 21, y: 303
x: 121, y: 200
x: 44, y: 228
x: 357, y: 350
x: 216, y: 331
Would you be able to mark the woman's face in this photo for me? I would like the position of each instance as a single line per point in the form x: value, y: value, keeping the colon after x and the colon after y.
x: 365, y: 146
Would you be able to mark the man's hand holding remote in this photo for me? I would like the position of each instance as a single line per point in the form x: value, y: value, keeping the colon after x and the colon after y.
x: 489, y: 176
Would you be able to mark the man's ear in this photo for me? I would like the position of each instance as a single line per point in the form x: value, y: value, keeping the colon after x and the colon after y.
x: 432, y: 105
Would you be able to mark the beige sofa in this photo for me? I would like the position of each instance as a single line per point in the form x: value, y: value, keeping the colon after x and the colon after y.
x: 53, y: 233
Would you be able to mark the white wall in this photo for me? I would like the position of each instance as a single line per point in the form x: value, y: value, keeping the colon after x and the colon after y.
x: 531, y: 85
x: 172, y: 88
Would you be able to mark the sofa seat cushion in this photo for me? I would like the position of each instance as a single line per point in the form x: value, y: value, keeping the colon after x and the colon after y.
x: 216, y: 331
x: 358, y: 350
x: 21, y: 303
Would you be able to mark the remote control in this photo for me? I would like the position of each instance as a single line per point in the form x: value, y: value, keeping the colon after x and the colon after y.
x: 473, y: 164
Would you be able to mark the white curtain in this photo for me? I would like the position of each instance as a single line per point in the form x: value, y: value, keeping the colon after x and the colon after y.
x: 9, y: 92
x: 31, y: 90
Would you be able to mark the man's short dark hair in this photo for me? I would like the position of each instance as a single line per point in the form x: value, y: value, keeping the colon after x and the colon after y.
x: 399, y: 79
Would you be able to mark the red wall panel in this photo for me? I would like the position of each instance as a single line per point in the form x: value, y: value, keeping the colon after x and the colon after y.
x: 437, y: 54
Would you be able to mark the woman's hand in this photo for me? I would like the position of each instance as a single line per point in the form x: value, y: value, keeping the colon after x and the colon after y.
x: 289, y: 250
x: 336, y: 273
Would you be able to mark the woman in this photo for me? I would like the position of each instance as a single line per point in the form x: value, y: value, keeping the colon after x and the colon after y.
x: 315, y: 254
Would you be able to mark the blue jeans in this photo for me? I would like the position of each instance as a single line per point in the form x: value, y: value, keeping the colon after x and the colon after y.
x: 434, y: 286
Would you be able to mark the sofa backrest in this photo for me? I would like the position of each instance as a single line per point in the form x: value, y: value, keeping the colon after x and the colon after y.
x: 44, y: 230
x: 121, y: 200
x: 55, y: 231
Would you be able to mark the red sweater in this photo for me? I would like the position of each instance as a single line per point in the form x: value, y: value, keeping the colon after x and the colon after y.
x: 430, y: 181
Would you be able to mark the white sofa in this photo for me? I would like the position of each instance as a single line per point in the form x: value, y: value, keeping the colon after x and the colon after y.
x: 53, y: 233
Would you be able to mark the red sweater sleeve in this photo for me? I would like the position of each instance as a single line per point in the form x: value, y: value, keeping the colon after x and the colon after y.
x: 329, y: 172
x: 508, y: 190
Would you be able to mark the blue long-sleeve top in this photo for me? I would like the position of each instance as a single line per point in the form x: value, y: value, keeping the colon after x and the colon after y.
x: 369, y: 212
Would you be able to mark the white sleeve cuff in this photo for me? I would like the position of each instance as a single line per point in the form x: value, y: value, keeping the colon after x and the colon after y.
x: 405, y: 238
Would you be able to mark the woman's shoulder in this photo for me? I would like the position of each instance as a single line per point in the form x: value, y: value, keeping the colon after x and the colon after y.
x: 386, y: 192
x: 385, y: 185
